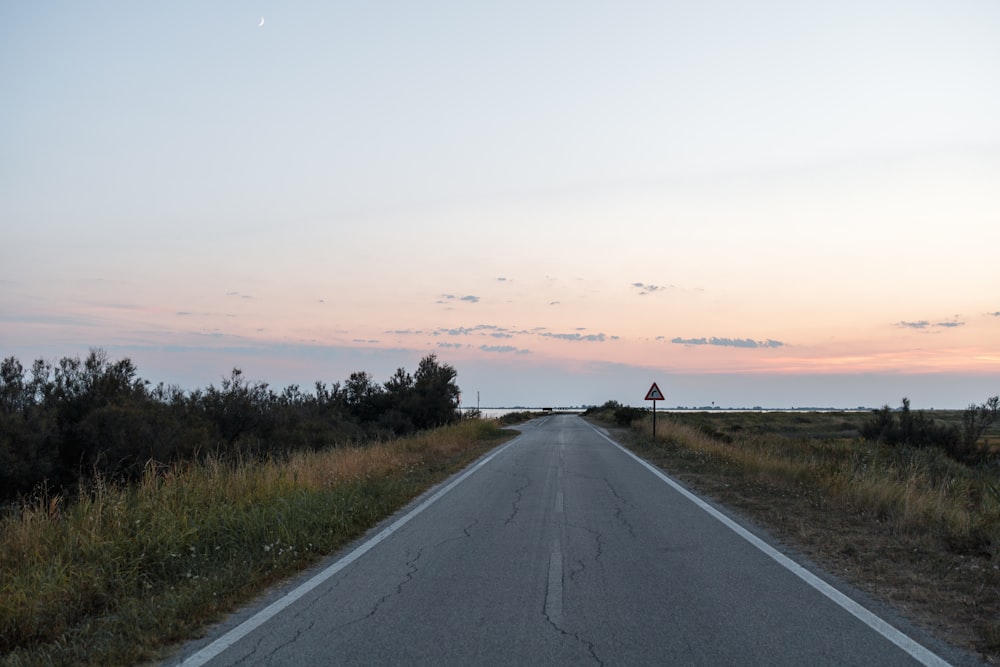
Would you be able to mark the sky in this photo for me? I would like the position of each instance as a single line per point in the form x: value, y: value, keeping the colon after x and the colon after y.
x: 773, y: 203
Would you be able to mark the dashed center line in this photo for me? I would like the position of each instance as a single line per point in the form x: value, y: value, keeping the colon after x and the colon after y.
x: 554, y: 593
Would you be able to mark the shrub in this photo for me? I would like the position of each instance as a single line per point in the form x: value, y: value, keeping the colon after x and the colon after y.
x: 95, y: 416
x: 904, y: 427
x: 625, y: 415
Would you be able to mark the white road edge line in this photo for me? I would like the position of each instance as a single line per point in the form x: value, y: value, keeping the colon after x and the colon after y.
x: 267, y: 613
x: 920, y: 653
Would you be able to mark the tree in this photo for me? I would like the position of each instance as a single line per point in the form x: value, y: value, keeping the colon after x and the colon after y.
x: 435, y: 394
x: 362, y: 397
x: 239, y: 407
x: 78, y: 389
x: 13, y: 391
x: 399, y: 385
x: 27, y: 453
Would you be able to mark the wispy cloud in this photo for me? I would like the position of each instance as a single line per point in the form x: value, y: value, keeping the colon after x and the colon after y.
x: 503, y: 349
x: 491, y: 330
x: 648, y: 288
x: 995, y: 314
x: 459, y: 331
x: 448, y: 298
x: 463, y: 331
x: 444, y: 344
x: 925, y: 325
x: 594, y: 338
x: 499, y: 332
x: 749, y: 343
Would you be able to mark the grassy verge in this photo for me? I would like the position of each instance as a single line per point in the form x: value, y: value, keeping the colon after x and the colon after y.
x: 910, y: 526
x: 123, y: 571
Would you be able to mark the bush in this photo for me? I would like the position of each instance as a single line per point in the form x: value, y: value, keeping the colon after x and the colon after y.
x: 625, y: 415
x: 904, y: 427
x: 609, y: 406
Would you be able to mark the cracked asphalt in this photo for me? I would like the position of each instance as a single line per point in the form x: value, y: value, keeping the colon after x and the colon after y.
x: 561, y: 550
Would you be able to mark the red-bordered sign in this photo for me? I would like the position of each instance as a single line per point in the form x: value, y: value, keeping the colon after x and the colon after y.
x: 654, y: 393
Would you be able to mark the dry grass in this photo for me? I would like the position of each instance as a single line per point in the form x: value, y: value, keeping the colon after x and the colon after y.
x: 123, y: 570
x: 908, y: 525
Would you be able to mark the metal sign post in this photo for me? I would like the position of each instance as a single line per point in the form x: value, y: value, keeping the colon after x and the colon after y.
x: 654, y: 394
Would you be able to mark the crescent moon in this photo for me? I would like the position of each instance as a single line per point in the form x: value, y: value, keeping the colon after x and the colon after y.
x: 261, y: 24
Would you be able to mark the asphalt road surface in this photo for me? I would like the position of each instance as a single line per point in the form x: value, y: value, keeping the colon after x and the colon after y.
x: 560, y: 548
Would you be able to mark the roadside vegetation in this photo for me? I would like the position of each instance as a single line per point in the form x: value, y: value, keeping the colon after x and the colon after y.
x: 125, y: 569
x: 64, y: 422
x: 131, y: 515
x: 902, y: 504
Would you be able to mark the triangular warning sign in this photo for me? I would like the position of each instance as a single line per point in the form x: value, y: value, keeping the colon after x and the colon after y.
x: 654, y: 393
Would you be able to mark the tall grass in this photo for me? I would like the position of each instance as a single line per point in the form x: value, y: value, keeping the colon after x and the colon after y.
x: 123, y: 570
x: 909, y: 522
x: 914, y: 489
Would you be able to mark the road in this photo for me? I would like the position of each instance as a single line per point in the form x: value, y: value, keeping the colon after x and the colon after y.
x: 560, y: 548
